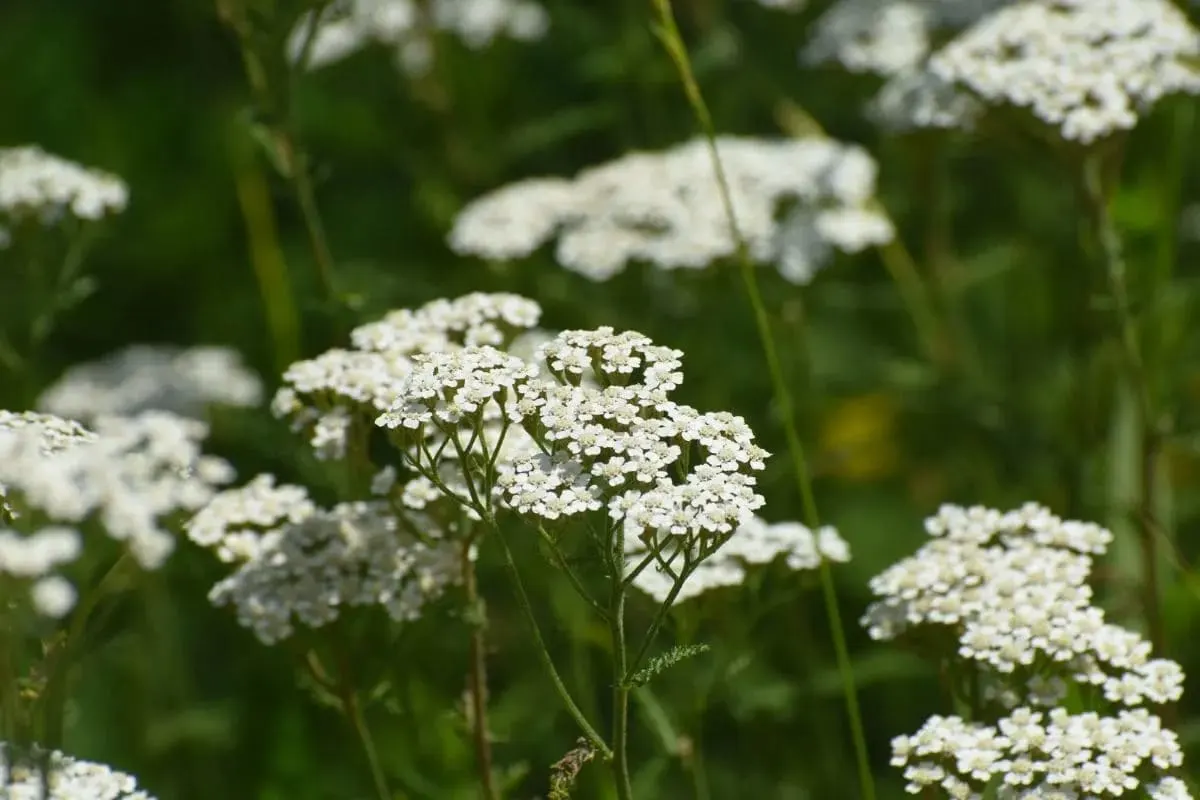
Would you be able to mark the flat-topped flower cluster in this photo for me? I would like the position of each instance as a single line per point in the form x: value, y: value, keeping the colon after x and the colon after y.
x: 488, y: 416
x: 128, y: 476
x: 797, y: 202
x: 1009, y: 589
x: 1082, y: 69
x: 67, y: 778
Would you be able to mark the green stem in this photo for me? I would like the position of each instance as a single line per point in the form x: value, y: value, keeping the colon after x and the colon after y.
x: 306, y: 198
x: 903, y: 271
x: 620, y: 735
x: 55, y: 697
x: 354, y: 712
x: 9, y: 687
x: 542, y: 652
x: 266, y: 256
x: 669, y: 33
x: 299, y: 173
x: 1136, y: 374
x: 477, y: 681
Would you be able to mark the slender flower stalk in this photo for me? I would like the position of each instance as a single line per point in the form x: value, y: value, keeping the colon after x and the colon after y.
x: 266, y: 255
x: 547, y: 660
x: 1149, y: 438
x: 620, y: 735
x: 668, y: 32
x: 477, y: 686
x: 343, y: 691
x: 284, y: 145
x: 353, y: 710
x: 55, y: 697
x: 299, y: 173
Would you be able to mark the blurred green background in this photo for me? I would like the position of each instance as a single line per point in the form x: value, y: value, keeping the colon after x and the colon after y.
x: 156, y: 92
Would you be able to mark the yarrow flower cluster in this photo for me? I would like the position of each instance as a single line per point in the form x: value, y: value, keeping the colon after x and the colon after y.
x: 46, y: 433
x: 1085, y: 68
x: 35, y: 183
x: 129, y: 478
x: 68, y: 778
x: 756, y: 542
x: 408, y: 25
x: 886, y: 37
x: 1012, y: 588
x: 25, y: 433
x: 300, y: 563
x: 797, y: 201
x: 593, y: 430
x: 610, y: 438
x: 893, y: 39
x: 183, y: 381
x: 1058, y: 756
x: 324, y: 395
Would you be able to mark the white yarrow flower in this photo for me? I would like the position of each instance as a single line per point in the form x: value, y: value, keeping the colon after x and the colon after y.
x: 134, y: 474
x: 140, y: 378
x: 297, y: 563
x: 755, y: 542
x: 33, y: 182
x: 666, y: 209
x: 69, y: 779
x: 1085, y: 69
x: 407, y: 26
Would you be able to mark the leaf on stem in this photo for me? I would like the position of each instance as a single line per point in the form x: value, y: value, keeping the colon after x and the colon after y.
x: 665, y: 661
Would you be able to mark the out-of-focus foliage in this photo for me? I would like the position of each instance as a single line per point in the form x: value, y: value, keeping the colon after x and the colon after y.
x: 192, y: 704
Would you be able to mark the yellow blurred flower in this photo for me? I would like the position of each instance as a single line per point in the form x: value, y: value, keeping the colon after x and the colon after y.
x: 857, y: 438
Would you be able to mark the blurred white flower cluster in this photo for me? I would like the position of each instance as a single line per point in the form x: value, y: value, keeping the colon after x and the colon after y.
x: 410, y: 25
x: 35, y: 183
x: 69, y: 779
x: 183, y: 381
x: 1012, y: 587
x: 127, y: 478
x: 1086, y: 68
x: 45, y: 433
x: 796, y: 201
x: 297, y: 562
x: 33, y: 558
x: 756, y: 542
x: 1056, y: 756
x: 893, y: 39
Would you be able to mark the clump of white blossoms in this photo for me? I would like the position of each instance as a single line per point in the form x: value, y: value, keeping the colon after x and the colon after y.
x: 756, y: 542
x: 140, y: 378
x: 69, y: 779
x: 606, y: 440
x: 893, y: 39
x: 300, y: 563
x: 46, y: 433
x: 33, y: 560
x: 408, y: 25
x: 324, y: 396
x: 129, y: 479
x: 26, y: 433
x: 1085, y: 68
x: 797, y: 202
x: 1011, y: 587
x: 1058, y: 756
x: 34, y: 183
